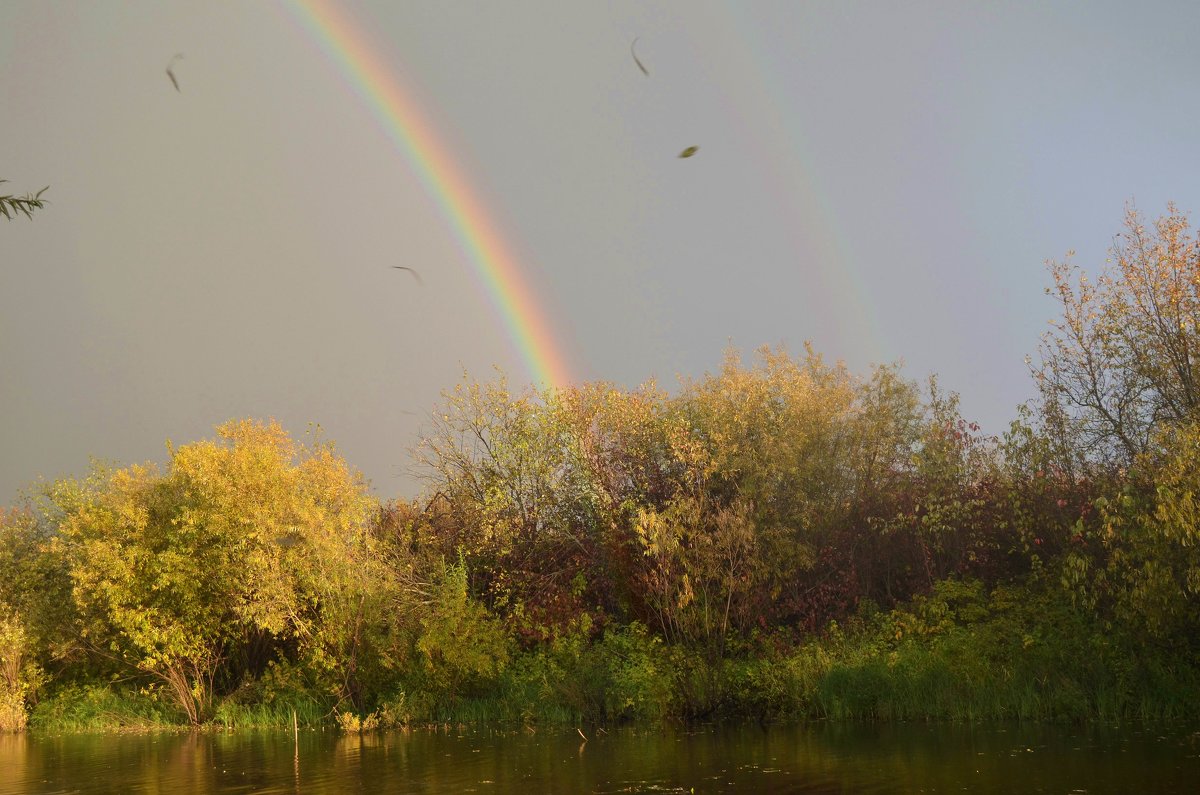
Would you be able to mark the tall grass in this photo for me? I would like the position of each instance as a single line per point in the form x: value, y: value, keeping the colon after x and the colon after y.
x: 963, y: 655
x: 84, y: 708
x: 278, y: 714
x: 96, y: 708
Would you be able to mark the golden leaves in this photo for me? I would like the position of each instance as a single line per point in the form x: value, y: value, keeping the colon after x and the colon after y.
x: 1121, y: 358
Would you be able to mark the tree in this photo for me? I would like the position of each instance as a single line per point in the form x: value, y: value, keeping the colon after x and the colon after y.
x: 1174, y: 528
x: 1150, y: 533
x: 1122, y: 361
x: 35, y: 583
x: 781, y: 491
x: 462, y: 643
x: 243, y: 541
x: 508, y: 496
x: 11, y: 205
x: 35, y: 612
x: 18, y: 675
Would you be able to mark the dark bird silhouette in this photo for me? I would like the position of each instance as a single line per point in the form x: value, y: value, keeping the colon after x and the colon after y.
x: 170, y: 73
x: 416, y: 275
x: 691, y: 150
x: 637, y: 60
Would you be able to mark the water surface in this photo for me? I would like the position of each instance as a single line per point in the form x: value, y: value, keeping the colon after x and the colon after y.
x: 820, y: 758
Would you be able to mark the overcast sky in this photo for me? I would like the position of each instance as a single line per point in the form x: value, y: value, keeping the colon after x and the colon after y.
x: 883, y: 179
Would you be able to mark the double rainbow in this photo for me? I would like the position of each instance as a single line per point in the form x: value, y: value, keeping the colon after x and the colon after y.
x: 414, y: 135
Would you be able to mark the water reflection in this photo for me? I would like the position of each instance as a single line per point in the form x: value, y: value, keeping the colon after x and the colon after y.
x: 821, y: 758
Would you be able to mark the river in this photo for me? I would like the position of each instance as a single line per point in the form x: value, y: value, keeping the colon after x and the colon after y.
x: 814, y: 758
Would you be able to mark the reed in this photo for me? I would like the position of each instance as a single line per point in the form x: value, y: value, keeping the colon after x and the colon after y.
x: 280, y: 713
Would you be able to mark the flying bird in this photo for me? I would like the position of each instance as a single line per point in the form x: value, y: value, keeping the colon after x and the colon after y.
x: 691, y: 150
x: 637, y: 60
x: 170, y: 73
x: 416, y: 275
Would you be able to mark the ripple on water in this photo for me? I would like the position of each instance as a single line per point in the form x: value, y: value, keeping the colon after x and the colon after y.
x: 821, y: 758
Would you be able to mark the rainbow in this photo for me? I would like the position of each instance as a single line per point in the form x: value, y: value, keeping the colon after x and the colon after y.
x: 414, y: 135
x: 832, y: 264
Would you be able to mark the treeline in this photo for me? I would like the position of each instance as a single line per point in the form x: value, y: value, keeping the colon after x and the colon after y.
x: 780, y: 539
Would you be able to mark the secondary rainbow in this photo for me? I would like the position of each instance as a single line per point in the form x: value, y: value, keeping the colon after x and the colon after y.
x: 415, y: 136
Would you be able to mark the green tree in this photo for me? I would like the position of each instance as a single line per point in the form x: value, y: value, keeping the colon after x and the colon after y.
x: 36, y: 615
x: 19, y: 676
x: 36, y: 584
x: 463, y: 645
x: 1150, y: 532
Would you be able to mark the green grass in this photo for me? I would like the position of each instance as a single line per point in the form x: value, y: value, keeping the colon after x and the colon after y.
x: 88, y: 708
x: 964, y: 655
x: 96, y: 708
x: 278, y: 714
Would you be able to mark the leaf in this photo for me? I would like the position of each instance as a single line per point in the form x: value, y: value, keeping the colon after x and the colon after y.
x: 637, y: 60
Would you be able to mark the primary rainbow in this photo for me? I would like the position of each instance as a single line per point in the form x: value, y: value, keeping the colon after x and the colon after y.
x: 416, y: 137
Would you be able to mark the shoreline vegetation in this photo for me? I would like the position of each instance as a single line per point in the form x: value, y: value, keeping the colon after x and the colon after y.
x: 783, y: 540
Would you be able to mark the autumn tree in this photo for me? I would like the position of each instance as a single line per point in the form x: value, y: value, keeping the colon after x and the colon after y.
x: 244, y: 539
x: 635, y: 455
x: 35, y: 583
x: 753, y: 496
x: 35, y: 612
x: 1121, y: 362
x: 508, y: 497
x: 782, y: 491
x: 1141, y: 565
x: 1119, y: 413
x: 764, y: 481
x: 1170, y: 574
x: 461, y: 643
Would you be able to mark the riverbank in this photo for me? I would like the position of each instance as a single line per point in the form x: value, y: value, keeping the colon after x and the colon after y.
x: 784, y: 541
x: 962, y: 654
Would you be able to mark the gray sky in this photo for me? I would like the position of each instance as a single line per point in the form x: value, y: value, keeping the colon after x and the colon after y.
x: 883, y: 179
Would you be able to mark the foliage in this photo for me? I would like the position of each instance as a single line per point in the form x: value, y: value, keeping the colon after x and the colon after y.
x: 277, y: 714
x: 19, y: 676
x: 463, y: 644
x: 36, y: 586
x: 1175, y: 523
x: 964, y: 654
x: 1148, y: 577
x: 781, y: 538
x: 1121, y: 362
x: 625, y: 673
x: 11, y: 205
x: 497, y: 462
x: 99, y: 707
x: 228, y: 548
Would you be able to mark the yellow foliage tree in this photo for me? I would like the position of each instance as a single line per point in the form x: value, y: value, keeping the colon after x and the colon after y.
x: 1122, y: 361
x: 245, y: 535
